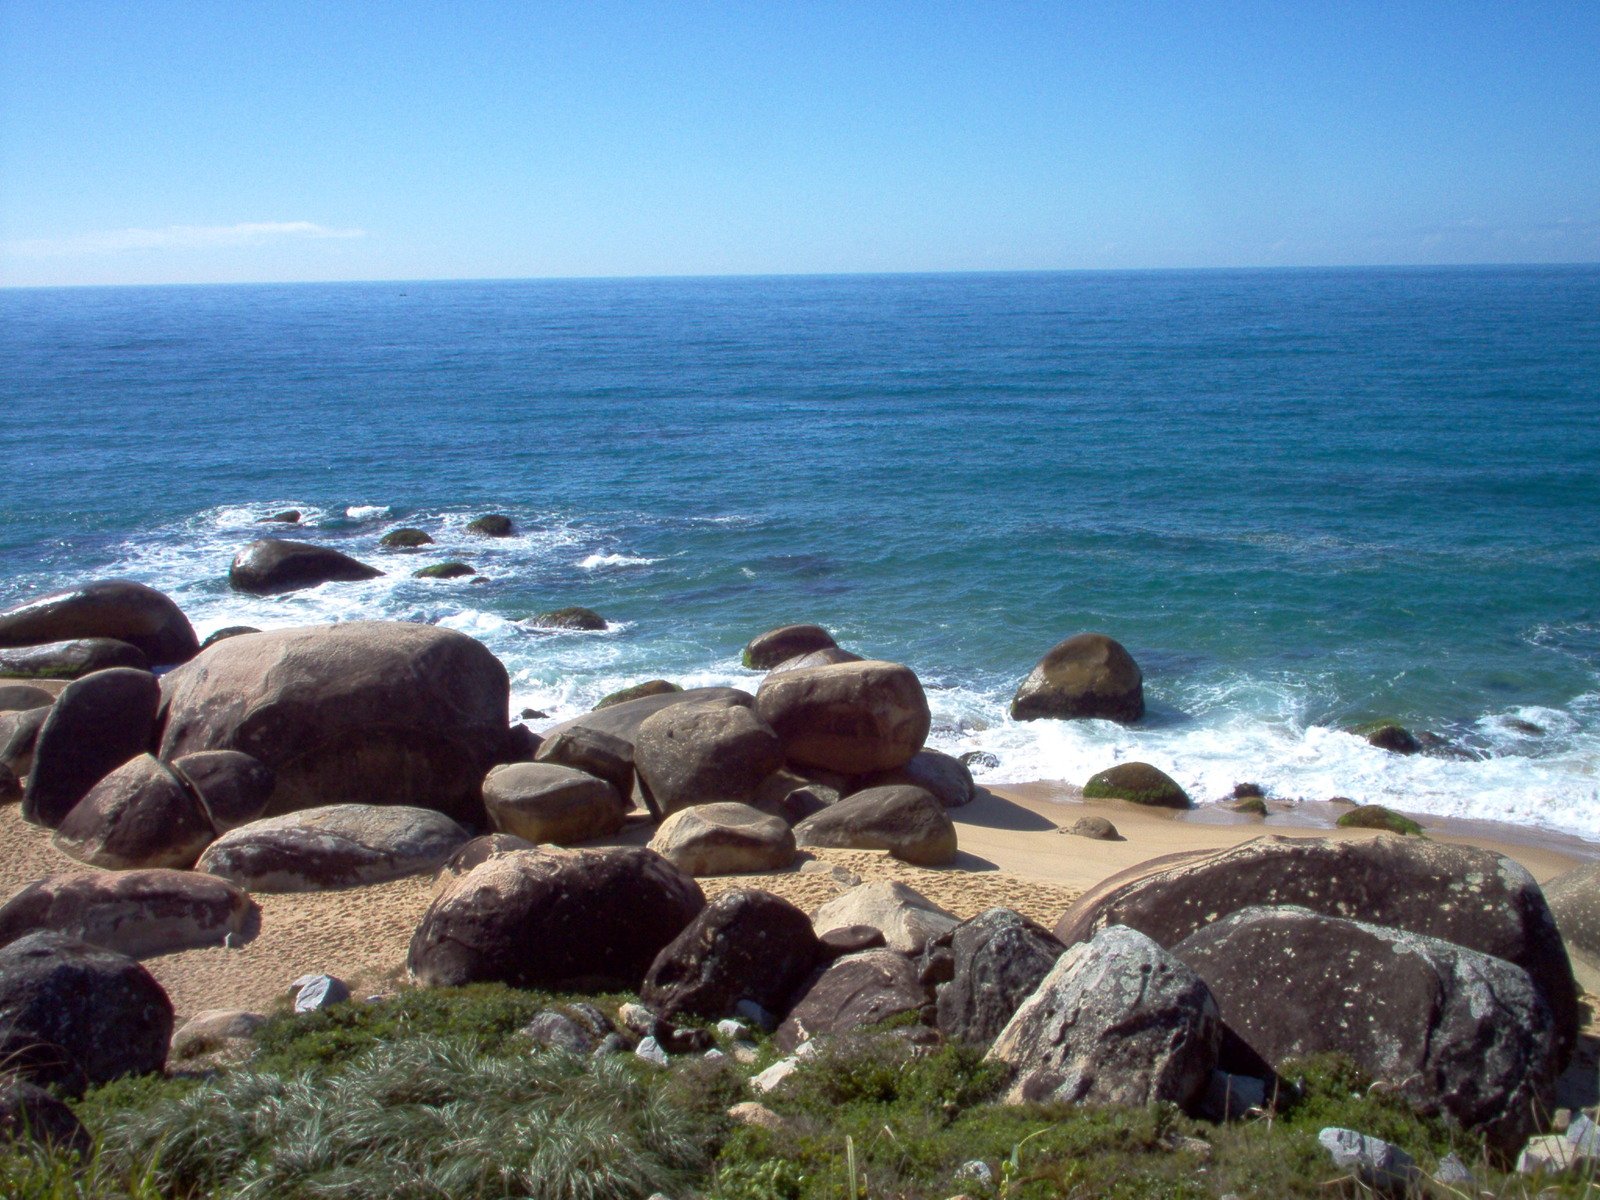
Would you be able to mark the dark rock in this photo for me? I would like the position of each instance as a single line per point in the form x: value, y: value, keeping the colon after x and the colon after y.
x: 140, y: 815
x: 1453, y: 1030
x: 1137, y: 782
x: 234, y: 787
x: 10, y: 785
x: 1243, y: 791
x: 585, y: 619
x: 853, y: 993
x: 522, y: 745
x: 365, y: 712
x: 851, y: 939
x: 481, y: 849
x: 229, y: 631
x: 585, y: 748
x: 1117, y: 1020
x: 30, y: 1114
x: 444, y: 570
x: 1095, y: 827
x: 341, y: 845
x: 112, y: 608
x: 1252, y: 806
x: 272, y: 565
x: 1376, y: 816
x: 724, y: 839
x: 289, y: 516
x: 981, y: 759
x: 1473, y: 898
x: 73, y: 1015
x: 1373, y: 1162
x: 650, y: 687
x: 545, y: 802
x: 855, y: 718
x: 22, y: 697
x: 97, y: 723
x: 19, y: 733
x: 792, y: 796
x: 947, y: 778
x: 496, y: 525
x: 906, y: 821
x: 405, y: 538
x: 829, y: 656
x: 999, y: 958
x: 533, y: 714
x: 773, y: 647
x: 703, y: 754
x: 70, y: 660
x: 580, y: 920
x: 1390, y: 736
x: 138, y: 913
x: 1089, y: 675
x: 744, y: 945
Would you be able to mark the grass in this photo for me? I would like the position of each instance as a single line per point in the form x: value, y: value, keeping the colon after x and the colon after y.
x: 433, y: 1094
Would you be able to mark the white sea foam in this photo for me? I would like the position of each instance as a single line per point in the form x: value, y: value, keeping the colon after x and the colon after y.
x: 596, y: 561
x: 367, y: 512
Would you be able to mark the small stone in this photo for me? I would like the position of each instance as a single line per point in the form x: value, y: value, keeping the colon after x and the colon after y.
x: 312, y: 993
x: 1377, y: 1163
x: 749, y: 1112
x: 979, y: 760
x: 775, y: 1074
x: 1451, y: 1171
x: 638, y: 1020
x: 1582, y: 1133
x: 1560, y: 1120
x: 1550, y: 1154
x: 651, y: 1051
x: 1198, y: 1147
x: 745, y: 1053
x: 733, y: 1030
x: 976, y: 1170
x: 612, y: 1043
x: 1094, y: 827
x: 713, y: 1055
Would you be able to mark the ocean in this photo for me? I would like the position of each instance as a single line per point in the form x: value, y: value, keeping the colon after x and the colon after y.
x: 1301, y: 498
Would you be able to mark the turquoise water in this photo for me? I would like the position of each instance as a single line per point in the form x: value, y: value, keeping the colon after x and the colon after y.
x: 1300, y: 498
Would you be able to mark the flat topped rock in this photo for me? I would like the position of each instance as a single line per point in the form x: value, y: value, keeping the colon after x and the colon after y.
x: 120, y: 609
x: 342, y: 845
x: 856, y: 718
x: 137, y: 913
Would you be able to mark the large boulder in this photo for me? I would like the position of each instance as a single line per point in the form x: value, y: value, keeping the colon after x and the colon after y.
x: 543, y: 802
x: 767, y: 650
x: 1473, y: 898
x: 109, y: 608
x: 97, y: 723
x: 342, y: 845
x: 853, y: 992
x: 593, y: 751
x: 30, y: 1114
x: 138, y: 913
x: 559, y: 920
x: 368, y: 712
x: 744, y: 945
x: 1454, y: 1030
x: 140, y: 815
x: 1090, y: 675
x: 73, y: 1015
x: 21, y: 697
x: 907, y: 919
x: 827, y: 657
x: 19, y: 734
x: 1574, y: 899
x: 622, y: 720
x: 70, y: 660
x: 855, y: 718
x: 1118, y: 1020
x: 272, y: 565
x: 233, y: 786
x: 707, y: 753
x: 908, y: 822
x: 945, y: 776
x: 1000, y: 958
x: 724, y: 839
x: 1137, y: 783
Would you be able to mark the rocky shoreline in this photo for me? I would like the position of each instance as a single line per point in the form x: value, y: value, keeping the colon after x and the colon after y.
x: 725, y: 854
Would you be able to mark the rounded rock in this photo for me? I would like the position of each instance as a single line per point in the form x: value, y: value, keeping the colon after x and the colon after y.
x: 140, y: 815
x: 97, y: 723
x: 724, y: 839
x: 855, y: 718
x: 1137, y: 783
x: 546, y: 802
x: 111, y: 608
x: 767, y: 650
x: 1090, y: 675
x: 270, y: 566
x: 710, y: 753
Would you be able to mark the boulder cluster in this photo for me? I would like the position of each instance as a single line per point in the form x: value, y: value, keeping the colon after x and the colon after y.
x: 328, y: 757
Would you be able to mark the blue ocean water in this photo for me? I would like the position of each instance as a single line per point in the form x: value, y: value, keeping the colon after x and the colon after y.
x: 1301, y: 498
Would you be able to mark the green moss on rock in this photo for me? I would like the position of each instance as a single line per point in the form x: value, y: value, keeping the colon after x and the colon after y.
x: 1376, y: 816
x: 1139, y: 783
x: 447, y: 570
x: 1389, y: 735
x: 651, y: 687
x: 405, y: 539
x: 1253, y: 806
x: 570, y: 618
x: 492, y: 525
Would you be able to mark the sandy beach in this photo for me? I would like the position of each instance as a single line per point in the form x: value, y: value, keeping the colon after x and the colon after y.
x: 1015, y: 851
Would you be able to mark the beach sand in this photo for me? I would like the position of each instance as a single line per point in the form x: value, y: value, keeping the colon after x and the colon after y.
x: 1014, y: 852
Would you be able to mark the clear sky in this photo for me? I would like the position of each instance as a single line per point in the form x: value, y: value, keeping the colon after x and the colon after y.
x: 143, y: 141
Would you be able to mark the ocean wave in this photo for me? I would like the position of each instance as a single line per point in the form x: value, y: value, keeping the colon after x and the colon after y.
x: 596, y: 561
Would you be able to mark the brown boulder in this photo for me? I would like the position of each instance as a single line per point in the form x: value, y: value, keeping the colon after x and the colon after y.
x: 709, y: 753
x: 768, y: 649
x: 855, y: 718
x: 110, y: 608
x: 97, y: 723
x: 366, y: 712
x: 562, y: 920
x: 1090, y: 675
x: 853, y: 992
x: 724, y: 839
x: 826, y: 657
x: 545, y: 802
x: 270, y: 566
x: 908, y: 822
x: 19, y: 734
x: 946, y: 777
x: 1470, y: 897
x: 70, y: 660
x: 234, y: 787
x: 140, y: 815
x: 138, y: 913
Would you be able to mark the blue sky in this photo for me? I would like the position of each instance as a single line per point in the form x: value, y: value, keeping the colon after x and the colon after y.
x: 158, y: 142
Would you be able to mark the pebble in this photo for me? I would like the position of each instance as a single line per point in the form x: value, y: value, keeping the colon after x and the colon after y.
x: 774, y: 1075
x: 651, y: 1052
x: 312, y: 993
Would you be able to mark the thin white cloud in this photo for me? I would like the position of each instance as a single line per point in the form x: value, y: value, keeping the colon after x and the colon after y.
x: 177, y: 237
